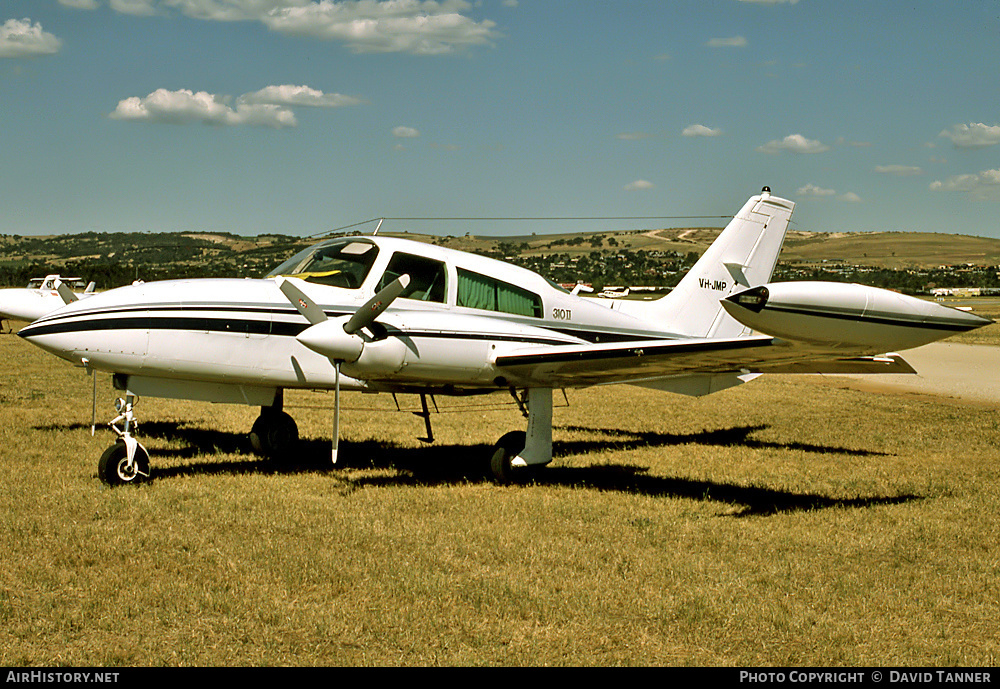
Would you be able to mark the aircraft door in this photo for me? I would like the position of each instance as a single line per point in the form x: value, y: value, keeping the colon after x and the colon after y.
x: 428, y: 278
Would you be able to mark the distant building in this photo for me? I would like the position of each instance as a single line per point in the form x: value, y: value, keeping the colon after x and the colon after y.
x: 957, y: 292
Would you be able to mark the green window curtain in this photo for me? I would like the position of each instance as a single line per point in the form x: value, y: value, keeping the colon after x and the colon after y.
x: 480, y: 292
x: 476, y: 291
x: 513, y: 300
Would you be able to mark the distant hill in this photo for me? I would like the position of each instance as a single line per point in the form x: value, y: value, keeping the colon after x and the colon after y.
x: 916, y: 250
x: 118, y: 258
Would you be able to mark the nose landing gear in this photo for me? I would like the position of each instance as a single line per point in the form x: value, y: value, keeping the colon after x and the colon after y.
x: 127, y: 461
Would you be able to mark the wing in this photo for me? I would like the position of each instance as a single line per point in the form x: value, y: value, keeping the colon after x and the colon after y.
x: 584, y: 365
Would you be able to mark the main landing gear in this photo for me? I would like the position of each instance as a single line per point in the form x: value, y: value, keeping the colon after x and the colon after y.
x: 515, y: 458
x: 274, y: 433
x: 518, y: 455
x: 127, y: 461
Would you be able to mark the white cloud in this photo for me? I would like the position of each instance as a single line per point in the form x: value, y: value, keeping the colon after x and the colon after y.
x: 794, y: 143
x: 228, y: 10
x: 815, y: 192
x: 288, y: 94
x: 639, y: 185
x: 973, y: 135
x: 139, y: 8
x: 734, y: 42
x: 268, y: 107
x: 700, y: 130
x: 982, y: 186
x: 80, y: 4
x: 899, y: 170
x: 184, y: 106
x: 420, y: 27
x: 405, y: 132
x: 22, y: 38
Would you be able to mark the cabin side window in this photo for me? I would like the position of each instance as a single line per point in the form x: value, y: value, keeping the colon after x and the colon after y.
x: 427, y: 277
x: 477, y: 291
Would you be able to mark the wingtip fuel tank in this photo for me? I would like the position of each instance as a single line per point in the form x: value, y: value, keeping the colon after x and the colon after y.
x: 856, y: 317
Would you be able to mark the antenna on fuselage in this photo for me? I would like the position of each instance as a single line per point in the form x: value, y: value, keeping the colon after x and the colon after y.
x: 380, y: 221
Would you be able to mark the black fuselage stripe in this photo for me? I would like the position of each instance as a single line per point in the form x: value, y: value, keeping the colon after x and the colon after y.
x: 245, y: 327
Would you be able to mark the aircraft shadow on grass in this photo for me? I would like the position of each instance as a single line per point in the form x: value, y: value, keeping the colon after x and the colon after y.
x: 449, y: 464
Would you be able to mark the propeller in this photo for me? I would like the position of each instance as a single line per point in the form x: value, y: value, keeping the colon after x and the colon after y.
x: 338, y: 338
x: 374, y: 307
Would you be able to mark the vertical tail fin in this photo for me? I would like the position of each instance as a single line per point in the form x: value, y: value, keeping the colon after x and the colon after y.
x: 744, y: 255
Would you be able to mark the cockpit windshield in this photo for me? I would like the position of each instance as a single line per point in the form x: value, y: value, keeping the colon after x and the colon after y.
x: 342, y: 262
x: 49, y: 282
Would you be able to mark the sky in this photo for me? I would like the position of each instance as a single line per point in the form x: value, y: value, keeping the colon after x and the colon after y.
x: 303, y: 116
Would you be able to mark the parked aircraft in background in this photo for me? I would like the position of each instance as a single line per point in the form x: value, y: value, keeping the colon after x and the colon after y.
x: 380, y: 314
x: 41, y: 296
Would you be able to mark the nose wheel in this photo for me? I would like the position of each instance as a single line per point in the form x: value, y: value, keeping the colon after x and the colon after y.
x: 127, y: 461
x: 115, y: 469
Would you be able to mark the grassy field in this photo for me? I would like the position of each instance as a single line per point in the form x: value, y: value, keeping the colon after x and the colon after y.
x: 792, y: 521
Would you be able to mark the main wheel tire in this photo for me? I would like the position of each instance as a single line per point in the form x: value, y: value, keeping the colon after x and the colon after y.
x: 274, y: 434
x: 506, y: 449
x: 113, y: 467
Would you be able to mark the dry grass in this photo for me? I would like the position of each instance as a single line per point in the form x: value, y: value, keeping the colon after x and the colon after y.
x: 987, y: 307
x: 792, y: 521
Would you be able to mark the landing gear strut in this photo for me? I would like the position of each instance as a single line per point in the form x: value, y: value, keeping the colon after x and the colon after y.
x: 127, y: 461
x: 518, y: 454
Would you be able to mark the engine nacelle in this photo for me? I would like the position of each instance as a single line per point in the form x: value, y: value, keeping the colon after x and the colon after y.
x: 364, y: 356
x: 854, y: 317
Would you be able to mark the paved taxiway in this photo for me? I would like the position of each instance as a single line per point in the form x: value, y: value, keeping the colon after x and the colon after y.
x: 961, y: 371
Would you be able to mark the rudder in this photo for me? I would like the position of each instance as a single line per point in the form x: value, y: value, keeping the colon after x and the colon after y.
x: 744, y: 255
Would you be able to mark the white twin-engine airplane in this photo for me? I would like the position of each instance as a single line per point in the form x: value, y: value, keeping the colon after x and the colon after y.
x: 380, y: 314
x: 41, y: 296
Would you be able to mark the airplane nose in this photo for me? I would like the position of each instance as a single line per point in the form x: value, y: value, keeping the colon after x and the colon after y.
x: 53, y: 336
x: 27, y: 331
